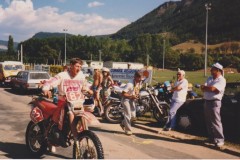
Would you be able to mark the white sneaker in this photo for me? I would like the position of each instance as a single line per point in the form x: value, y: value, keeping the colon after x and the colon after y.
x: 219, y: 144
x: 52, y: 149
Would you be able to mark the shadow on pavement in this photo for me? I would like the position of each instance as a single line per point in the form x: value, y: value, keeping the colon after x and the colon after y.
x: 19, y: 151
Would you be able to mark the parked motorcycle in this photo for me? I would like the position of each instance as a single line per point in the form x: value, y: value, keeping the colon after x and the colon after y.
x: 49, y: 126
x: 164, y: 91
x: 147, y: 102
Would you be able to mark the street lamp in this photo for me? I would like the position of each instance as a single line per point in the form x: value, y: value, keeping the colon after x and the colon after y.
x: 65, y: 59
x: 208, y: 7
x: 163, y: 52
x: 100, y: 55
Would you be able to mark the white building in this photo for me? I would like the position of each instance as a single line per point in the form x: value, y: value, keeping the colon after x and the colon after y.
x: 123, y: 65
x: 98, y: 64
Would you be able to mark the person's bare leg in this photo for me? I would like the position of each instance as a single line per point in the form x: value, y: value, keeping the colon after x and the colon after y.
x: 73, y: 127
x: 99, y: 103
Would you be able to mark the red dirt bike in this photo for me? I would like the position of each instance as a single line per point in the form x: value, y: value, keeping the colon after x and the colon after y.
x: 49, y: 126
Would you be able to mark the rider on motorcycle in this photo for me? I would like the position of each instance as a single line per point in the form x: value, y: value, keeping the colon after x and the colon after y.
x: 71, y: 84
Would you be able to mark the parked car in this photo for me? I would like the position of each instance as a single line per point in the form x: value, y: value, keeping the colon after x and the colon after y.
x: 28, y: 80
x: 191, y: 115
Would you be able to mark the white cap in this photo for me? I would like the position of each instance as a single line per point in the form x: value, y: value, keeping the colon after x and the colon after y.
x: 181, y: 71
x: 218, y: 66
x: 105, y: 69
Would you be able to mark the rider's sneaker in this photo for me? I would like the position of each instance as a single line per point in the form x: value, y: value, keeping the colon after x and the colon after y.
x: 52, y: 149
x: 128, y: 133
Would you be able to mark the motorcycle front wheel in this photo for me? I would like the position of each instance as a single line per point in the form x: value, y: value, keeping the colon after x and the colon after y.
x: 161, y: 117
x: 35, y: 141
x: 88, y: 146
x: 113, y: 113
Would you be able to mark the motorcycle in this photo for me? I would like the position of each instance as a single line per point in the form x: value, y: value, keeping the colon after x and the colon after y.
x: 147, y: 102
x: 49, y: 126
x: 164, y: 91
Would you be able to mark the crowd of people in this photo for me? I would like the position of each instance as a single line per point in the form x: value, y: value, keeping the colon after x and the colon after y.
x: 213, y: 91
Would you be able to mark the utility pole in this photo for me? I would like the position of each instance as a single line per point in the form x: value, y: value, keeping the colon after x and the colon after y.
x: 208, y: 7
x: 65, y: 60
x: 147, y: 60
x: 163, y: 52
x: 100, y: 55
x: 21, y: 53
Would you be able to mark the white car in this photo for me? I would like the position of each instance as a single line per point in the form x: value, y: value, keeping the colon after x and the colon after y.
x: 27, y: 80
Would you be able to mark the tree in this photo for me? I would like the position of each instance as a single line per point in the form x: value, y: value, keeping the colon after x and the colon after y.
x: 10, y: 50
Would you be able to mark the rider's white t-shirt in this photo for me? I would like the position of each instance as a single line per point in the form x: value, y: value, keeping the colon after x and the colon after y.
x: 67, y: 85
x: 181, y: 95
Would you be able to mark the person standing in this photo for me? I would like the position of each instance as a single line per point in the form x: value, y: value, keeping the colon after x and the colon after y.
x: 129, y: 94
x: 96, y: 87
x: 106, y: 83
x: 213, y: 91
x: 179, y: 97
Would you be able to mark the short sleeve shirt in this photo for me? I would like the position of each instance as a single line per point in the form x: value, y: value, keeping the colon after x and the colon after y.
x: 181, y: 95
x: 219, y: 83
x: 131, y: 89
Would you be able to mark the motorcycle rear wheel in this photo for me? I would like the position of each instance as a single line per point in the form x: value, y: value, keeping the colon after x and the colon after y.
x: 112, y: 113
x: 35, y: 141
x: 88, y: 146
x: 161, y: 117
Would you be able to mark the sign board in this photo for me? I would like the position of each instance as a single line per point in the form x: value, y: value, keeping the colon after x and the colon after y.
x: 42, y: 68
x: 128, y: 74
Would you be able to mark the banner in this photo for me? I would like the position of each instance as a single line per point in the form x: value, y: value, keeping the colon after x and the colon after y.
x: 128, y: 74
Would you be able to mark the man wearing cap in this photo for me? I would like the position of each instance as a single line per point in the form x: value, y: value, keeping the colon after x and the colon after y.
x: 179, y: 97
x: 213, y: 91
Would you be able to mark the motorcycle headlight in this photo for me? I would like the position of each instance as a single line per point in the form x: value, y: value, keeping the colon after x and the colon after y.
x: 155, y: 92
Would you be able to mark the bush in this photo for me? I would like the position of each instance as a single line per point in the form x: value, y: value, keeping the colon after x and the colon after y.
x: 55, y: 69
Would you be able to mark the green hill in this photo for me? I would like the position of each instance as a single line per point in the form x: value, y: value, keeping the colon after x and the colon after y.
x: 187, y: 20
x: 42, y: 35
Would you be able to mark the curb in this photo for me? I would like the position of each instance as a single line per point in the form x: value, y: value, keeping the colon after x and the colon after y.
x: 173, y: 134
x: 229, y: 148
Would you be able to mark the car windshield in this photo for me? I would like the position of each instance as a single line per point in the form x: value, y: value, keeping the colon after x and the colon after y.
x: 9, y: 67
x: 19, y: 67
x: 39, y: 76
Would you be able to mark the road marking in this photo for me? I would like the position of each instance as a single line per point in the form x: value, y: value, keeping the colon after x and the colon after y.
x: 134, y: 140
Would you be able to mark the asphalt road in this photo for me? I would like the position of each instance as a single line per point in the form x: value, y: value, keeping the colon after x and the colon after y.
x: 14, y: 117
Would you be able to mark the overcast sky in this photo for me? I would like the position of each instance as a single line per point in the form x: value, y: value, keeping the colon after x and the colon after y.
x: 23, y: 18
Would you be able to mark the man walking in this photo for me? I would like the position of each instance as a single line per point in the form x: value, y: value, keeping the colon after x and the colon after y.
x: 213, y: 92
x: 129, y: 94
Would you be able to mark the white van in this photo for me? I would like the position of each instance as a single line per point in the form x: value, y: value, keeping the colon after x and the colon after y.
x: 8, y: 69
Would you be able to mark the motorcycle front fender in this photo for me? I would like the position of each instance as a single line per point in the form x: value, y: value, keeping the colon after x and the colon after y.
x: 88, y: 117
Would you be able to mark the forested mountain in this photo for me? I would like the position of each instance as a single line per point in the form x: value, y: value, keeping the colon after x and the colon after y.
x: 187, y: 20
x: 42, y: 35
